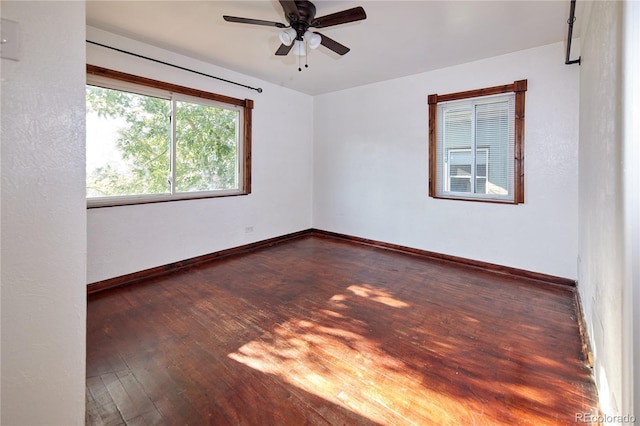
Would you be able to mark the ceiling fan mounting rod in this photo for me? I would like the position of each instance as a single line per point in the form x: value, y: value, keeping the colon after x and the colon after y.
x: 306, y: 13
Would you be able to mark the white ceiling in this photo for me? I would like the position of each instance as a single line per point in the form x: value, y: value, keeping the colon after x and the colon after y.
x: 398, y: 38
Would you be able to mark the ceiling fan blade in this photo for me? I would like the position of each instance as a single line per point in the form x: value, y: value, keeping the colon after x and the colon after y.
x: 253, y: 21
x: 283, y: 50
x: 331, y: 44
x: 349, y: 15
x: 290, y: 9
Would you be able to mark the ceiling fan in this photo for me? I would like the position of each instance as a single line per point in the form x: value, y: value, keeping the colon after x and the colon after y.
x: 300, y: 15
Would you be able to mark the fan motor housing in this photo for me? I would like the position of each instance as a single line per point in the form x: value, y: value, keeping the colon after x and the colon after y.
x: 306, y: 13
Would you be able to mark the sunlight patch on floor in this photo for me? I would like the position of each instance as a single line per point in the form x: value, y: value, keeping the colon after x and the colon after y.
x: 342, y: 366
x: 376, y: 294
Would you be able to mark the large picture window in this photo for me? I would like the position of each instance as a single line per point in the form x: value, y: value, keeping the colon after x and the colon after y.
x: 476, y: 142
x: 149, y: 141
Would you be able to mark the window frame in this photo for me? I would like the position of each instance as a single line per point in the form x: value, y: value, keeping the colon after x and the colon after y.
x: 518, y: 87
x: 116, y: 80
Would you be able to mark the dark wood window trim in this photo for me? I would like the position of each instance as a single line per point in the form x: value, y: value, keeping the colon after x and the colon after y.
x: 245, y: 104
x: 519, y: 88
x: 143, y: 81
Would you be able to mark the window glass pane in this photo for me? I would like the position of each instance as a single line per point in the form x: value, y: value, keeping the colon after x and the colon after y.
x: 206, y: 147
x: 481, y: 170
x: 492, y: 132
x: 457, y: 129
x: 460, y: 157
x: 128, y: 140
x: 457, y: 139
x: 460, y: 170
x: 481, y: 185
x: 460, y: 184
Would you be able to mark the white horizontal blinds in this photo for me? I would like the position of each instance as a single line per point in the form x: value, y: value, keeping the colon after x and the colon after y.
x: 475, y: 147
x: 455, y: 135
x: 494, y: 142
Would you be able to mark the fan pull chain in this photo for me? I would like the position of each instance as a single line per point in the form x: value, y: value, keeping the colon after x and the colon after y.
x: 306, y: 57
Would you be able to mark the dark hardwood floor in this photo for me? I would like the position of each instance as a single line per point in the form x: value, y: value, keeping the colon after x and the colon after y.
x: 322, y: 331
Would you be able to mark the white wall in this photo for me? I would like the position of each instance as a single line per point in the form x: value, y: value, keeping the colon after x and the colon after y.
x: 631, y: 179
x: 43, y: 217
x: 122, y: 240
x: 603, y: 245
x: 371, y: 166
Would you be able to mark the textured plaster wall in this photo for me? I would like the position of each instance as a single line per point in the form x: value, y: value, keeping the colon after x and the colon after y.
x: 371, y: 166
x: 601, y: 243
x: 631, y: 184
x: 122, y: 240
x: 43, y: 217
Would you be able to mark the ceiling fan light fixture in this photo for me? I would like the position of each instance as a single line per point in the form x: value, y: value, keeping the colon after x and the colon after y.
x: 312, y: 39
x: 300, y: 16
x: 287, y: 36
x: 299, y: 48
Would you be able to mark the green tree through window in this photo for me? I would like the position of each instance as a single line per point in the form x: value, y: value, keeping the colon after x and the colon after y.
x: 153, y: 144
x: 138, y: 160
x: 205, y: 148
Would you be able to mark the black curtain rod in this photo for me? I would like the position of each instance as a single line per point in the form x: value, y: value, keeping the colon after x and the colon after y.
x: 570, y: 21
x: 257, y: 89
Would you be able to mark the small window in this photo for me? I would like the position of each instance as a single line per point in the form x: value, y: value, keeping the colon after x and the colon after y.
x: 476, y: 142
x: 149, y: 141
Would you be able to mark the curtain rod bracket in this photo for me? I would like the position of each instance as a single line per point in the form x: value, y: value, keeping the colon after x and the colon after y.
x: 570, y: 22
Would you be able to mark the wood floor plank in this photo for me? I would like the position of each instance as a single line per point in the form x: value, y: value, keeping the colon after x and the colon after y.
x: 126, y: 406
x: 323, y: 331
x: 141, y: 402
